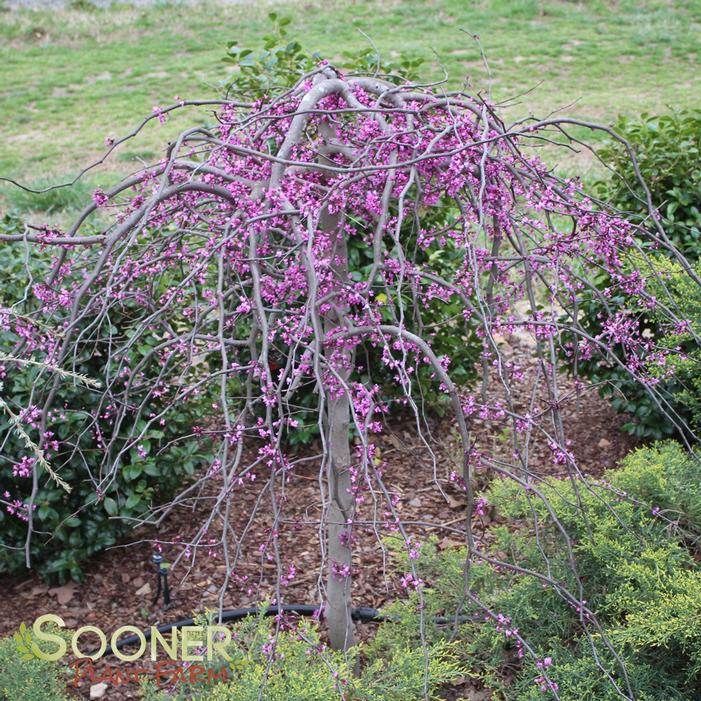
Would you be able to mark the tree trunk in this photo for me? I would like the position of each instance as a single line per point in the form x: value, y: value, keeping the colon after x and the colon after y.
x: 340, y: 511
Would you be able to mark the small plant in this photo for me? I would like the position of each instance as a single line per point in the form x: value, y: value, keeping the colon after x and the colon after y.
x: 27, y: 677
x: 282, y: 62
x: 668, y: 151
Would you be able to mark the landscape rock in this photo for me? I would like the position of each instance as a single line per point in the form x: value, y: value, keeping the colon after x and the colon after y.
x: 97, y: 691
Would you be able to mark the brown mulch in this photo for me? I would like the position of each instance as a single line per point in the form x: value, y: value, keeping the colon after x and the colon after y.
x: 119, y: 584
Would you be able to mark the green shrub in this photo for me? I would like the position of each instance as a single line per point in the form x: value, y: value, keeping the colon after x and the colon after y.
x: 657, y: 416
x: 663, y: 476
x: 295, y: 664
x: 70, y: 527
x: 684, y: 295
x: 633, y: 541
x: 282, y: 61
x: 680, y: 391
x: 668, y: 151
x: 38, y: 680
x: 579, y: 678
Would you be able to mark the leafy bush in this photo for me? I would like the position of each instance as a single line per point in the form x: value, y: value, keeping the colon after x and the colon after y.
x: 70, y: 527
x: 295, y: 664
x: 684, y: 295
x: 668, y: 151
x: 579, y: 677
x: 38, y: 680
x: 282, y: 61
x: 634, y: 542
x: 657, y: 417
x: 663, y: 476
x: 677, y: 406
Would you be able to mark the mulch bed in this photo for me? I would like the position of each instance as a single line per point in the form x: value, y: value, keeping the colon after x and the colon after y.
x: 119, y: 584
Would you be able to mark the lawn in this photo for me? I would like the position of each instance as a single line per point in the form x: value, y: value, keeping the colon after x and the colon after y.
x: 71, y: 78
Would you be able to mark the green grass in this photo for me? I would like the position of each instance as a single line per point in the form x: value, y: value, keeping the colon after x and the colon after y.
x: 69, y: 79
x: 51, y: 201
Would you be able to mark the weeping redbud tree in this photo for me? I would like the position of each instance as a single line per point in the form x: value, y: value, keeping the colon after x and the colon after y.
x: 229, y: 260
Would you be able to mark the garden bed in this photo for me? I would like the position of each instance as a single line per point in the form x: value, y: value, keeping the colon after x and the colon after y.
x: 119, y: 585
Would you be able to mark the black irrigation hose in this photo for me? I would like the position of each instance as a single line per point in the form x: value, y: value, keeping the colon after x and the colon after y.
x: 363, y: 614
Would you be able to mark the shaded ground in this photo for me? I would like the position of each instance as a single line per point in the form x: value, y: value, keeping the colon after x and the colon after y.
x: 120, y: 584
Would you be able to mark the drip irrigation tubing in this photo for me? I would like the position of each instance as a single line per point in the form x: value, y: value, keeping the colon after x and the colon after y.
x: 362, y: 614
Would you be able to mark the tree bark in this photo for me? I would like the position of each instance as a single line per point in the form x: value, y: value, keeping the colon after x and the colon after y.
x: 339, y: 515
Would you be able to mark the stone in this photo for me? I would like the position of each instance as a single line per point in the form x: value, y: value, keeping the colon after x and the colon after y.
x: 97, y: 691
x: 142, y: 591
